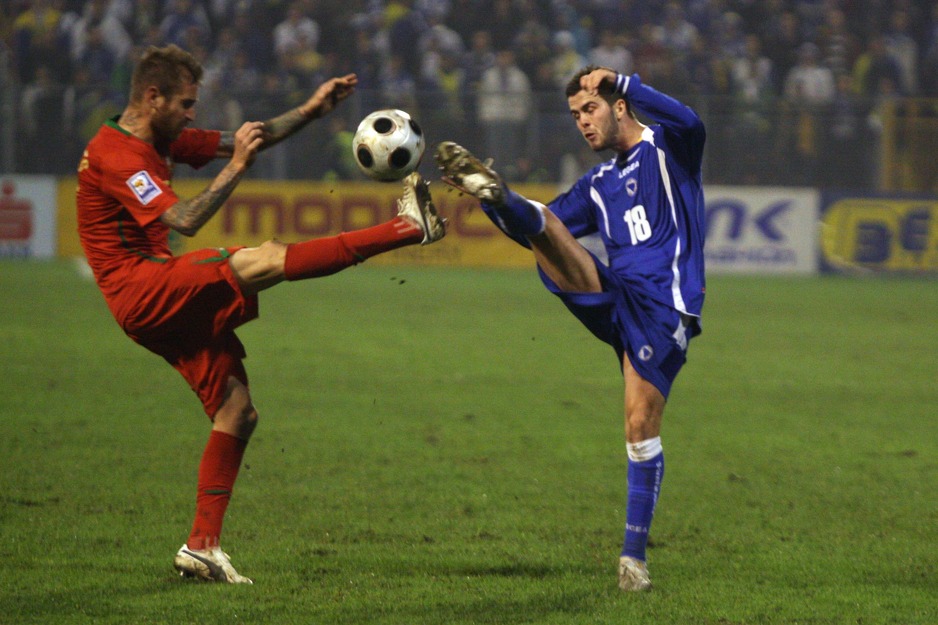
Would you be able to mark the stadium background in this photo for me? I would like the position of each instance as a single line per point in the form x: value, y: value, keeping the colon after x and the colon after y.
x: 821, y: 116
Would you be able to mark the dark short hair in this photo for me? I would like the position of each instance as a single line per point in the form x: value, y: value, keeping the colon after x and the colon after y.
x: 168, y: 68
x: 606, y: 91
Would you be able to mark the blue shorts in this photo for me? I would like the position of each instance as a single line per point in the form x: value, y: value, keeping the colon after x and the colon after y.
x: 653, y: 335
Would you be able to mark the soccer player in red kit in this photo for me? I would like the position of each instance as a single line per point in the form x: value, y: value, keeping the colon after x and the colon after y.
x: 186, y: 308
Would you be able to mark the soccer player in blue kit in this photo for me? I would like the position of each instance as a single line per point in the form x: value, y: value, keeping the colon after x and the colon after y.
x: 646, y: 204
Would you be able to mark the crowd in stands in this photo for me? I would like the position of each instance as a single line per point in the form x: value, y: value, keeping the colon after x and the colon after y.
x: 772, y: 78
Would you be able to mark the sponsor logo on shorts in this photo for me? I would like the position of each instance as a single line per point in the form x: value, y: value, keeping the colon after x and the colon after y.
x: 143, y: 187
x: 645, y: 353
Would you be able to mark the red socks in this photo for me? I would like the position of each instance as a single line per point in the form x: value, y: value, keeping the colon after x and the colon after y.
x: 217, y: 473
x: 325, y: 256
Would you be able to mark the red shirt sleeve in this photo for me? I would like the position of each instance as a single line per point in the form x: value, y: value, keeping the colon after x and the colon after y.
x: 141, y: 185
x: 195, y: 147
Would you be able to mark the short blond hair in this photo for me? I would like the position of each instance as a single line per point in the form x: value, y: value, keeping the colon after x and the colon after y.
x: 169, y: 69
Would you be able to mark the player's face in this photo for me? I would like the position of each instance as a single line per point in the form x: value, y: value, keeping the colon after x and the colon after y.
x: 595, y: 120
x: 175, y: 113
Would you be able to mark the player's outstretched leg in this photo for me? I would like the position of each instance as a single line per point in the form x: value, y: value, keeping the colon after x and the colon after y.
x: 416, y: 205
x: 210, y: 565
x: 515, y: 215
x: 468, y: 174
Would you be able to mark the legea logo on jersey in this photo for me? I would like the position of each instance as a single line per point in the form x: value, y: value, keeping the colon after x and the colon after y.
x: 143, y: 187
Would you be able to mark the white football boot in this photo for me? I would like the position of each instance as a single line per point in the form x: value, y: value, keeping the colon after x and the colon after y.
x: 211, y: 565
x: 468, y: 174
x: 416, y: 206
x: 633, y: 575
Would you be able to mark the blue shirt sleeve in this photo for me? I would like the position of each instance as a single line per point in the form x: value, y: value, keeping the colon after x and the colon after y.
x: 684, y: 131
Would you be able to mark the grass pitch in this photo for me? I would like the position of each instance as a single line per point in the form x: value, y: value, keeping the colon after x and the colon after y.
x: 445, y: 446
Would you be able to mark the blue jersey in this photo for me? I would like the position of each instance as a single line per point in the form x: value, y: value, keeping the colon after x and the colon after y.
x: 647, y: 203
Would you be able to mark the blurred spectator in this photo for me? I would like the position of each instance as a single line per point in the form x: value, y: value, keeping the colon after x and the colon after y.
x: 504, y: 108
x: 566, y: 18
x: 707, y: 74
x: 836, y: 43
x: 875, y: 65
x: 479, y: 58
x: 809, y: 84
x: 144, y: 18
x: 296, y: 41
x: 257, y: 42
x: 405, y: 26
x: 337, y: 152
x: 108, y: 31
x: 437, y: 40
x: 566, y: 61
x: 366, y: 63
x: 903, y: 47
x: 930, y: 59
x: 532, y: 45
x: 467, y: 17
x: 676, y: 33
x: 398, y: 86
x: 780, y: 43
x: 97, y: 57
x: 184, y: 22
x: 730, y: 37
x: 610, y: 52
x: 650, y: 54
x: 809, y: 90
x: 36, y: 41
x: 241, y: 77
x: 847, y: 158
x: 41, y: 123
x: 87, y: 105
x: 503, y: 22
x: 754, y: 105
x: 221, y: 58
x: 265, y: 103
x: 476, y: 61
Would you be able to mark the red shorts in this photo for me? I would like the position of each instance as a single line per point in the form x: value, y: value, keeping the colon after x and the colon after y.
x: 186, y: 310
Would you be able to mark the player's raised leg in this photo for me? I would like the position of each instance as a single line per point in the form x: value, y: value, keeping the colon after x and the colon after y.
x: 417, y: 221
x: 557, y: 252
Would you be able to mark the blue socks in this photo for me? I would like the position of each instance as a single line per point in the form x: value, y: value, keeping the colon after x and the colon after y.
x: 518, y: 217
x: 646, y: 469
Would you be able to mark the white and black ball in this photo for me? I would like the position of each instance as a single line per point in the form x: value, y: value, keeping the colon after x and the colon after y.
x: 388, y: 145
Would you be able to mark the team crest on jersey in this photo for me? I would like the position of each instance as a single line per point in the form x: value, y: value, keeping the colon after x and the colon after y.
x: 143, y: 187
x: 631, y: 187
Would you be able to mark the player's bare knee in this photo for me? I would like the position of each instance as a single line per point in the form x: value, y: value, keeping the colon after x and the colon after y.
x: 258, y: 268
x: 237, y: 415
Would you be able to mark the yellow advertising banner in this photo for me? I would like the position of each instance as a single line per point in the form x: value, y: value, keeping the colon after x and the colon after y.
x: 888, y: 234
x: 296, y: 211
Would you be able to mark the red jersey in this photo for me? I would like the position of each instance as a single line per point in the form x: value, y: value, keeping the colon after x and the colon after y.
x: 123, y: 188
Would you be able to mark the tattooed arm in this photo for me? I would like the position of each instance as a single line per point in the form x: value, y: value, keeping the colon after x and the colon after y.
x: 326, y: 97
x: 188, y: 216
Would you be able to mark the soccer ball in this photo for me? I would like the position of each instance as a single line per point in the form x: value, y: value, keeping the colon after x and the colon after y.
x: 388, y: 145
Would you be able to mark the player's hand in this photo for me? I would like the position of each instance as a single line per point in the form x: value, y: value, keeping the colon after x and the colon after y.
x: 591, y: 82
x: 328, y: 95
x: 247, y: 142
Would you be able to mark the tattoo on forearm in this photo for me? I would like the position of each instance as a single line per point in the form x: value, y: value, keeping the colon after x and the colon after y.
x: 282, y: 126
x: 188, y: 216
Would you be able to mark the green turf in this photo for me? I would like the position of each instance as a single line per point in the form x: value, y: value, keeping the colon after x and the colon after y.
x: 445, y: 446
